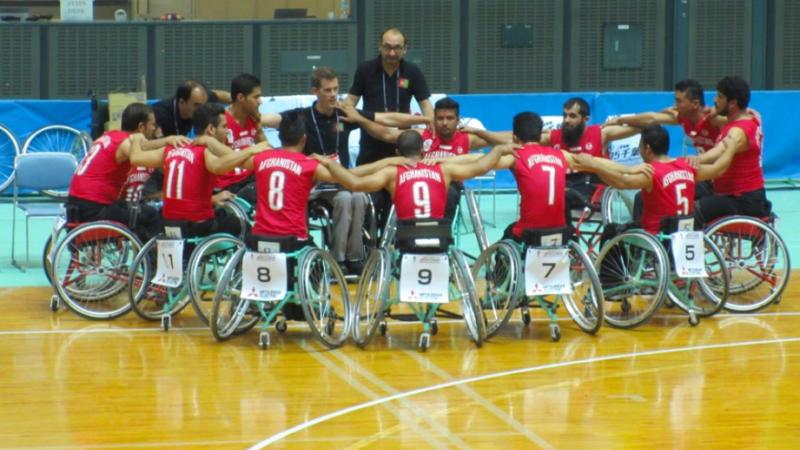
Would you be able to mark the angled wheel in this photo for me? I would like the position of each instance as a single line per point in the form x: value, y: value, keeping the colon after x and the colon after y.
x: 205, y: 269
x: 91, y: 268
x: 585, y: 304
x: 48, y: 252
x: 149, y: 300
x: 370, y: 302
x: 496, y: 273
x: 616, y: 206
x: 57, y: 138
x: 9, y: 149
x: 757, y: 260
x: 633, y: 272
x: 229, y: 313
x: 461, y: 279
x: 708, y: 295
x: 324, y: 297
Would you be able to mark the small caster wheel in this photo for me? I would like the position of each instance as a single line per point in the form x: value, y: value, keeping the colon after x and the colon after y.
x: 166, y: 322
x: 693, y: 320
x: 424, y: 341
x: 263, y: 340
x: 54, y: 302
x: 280, y: 325
x: 382, y: 328
x: 555, y: 332
x: 434, y: 327
x: 526, y: 317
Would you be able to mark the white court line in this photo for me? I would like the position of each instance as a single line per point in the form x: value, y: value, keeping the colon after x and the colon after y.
x: 310, y: 423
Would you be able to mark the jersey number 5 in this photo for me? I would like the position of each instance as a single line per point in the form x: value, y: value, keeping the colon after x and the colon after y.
x: 683, y: 202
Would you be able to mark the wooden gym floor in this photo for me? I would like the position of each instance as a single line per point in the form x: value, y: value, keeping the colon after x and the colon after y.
x: 66, y: 382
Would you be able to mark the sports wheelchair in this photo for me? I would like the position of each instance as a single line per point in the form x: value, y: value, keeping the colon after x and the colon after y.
x: 757, y: 259
x: 637, y: 273
x: 555, y: 270
x: 280, y: 275
x: 412, y: 269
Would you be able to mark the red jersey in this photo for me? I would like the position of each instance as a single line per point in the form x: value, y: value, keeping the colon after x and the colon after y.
x: 284, y: 181
x: 434, y: 147
x: 100, y: 177
x: 541, y: 174
x: 420, y: 192
x: 672, y: 193
x: 745, y: 173
x: 239, y: 137
x: 703, y: 133
x: 137, y: 177
x: 187, y: 185
x: 591, y: 142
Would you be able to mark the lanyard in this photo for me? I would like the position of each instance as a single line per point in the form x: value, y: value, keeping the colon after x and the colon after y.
x: 319, y: 133
x: 175, y: 115
x: 397, y: 86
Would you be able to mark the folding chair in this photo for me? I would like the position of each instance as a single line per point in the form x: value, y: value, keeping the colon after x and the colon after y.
x: 39, y: 171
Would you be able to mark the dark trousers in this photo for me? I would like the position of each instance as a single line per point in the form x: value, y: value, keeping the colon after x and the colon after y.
x: 146, y: 223
x: 753, y: 203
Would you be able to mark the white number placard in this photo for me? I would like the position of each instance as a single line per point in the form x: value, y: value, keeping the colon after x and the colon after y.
x: 264, y: 276
x: 547, y: 271
x: 169, y: 267
x: 689, y: 254
x: 424, y: 278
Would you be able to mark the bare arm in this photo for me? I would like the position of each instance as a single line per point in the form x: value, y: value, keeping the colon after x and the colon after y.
x: 735, y: 139
x: 427, y: 109
x: 352, y: 99
x: 484, y: 138
x: 224, y: 164
x: 544, y: 139
x: 223, y: 96
x: 645, y: 119
x: 271, y: 120
x: 139, y: 157
x: 487, y: 162
x: 175, y: 141
x: 331, y: 171
x: 620, y: 179
x: 376, y: 130
x: 614, y: 132
x: 368, y: 169
x: 400, y: 120
x: 718, y: 167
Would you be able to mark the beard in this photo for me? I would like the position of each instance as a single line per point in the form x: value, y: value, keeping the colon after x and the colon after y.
x: 722, y: 111
x: 572, y: 134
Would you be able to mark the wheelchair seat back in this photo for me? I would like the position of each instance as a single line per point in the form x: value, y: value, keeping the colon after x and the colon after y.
x: 424, y: 236
x: 545, y: 237
x: 672, y: 224
x: 276, y: 244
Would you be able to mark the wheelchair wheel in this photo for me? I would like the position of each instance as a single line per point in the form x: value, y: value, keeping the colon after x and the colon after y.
x: 633, y: 272
x: 461, y: 278
x: 757, y: 259
x: 236, y: 209
x: 205, y: 269
x: 59, y: 231
x: 496, y: 273
x: 371, y: 296
x: 616, y: 206
x: 229, y: 313
x: 9, y: 149
x: 57, y: 138
x: 148, y: 299
x: 325, y: 297
x: 708, y: 294
x: 585, y: 304
x: 91, y: 268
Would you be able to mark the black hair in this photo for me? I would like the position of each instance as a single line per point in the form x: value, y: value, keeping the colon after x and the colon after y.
x: 447, y: 103
x: 133, y: 115
x: 735, y: 88
x: 657, y: 138
x: 292, y: 128
x: 205, y: 115
x: 409, y: 144
x: 527, y: 126
x: 583, y: 107
x: 244, y: 84
x: 185, y: 89
x: 692, y: 89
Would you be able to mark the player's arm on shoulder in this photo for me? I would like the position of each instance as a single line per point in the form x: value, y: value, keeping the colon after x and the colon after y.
x: 224, y: 164
x: 614, y: 132
x: 400, y: 120
x: 271, y: 120
x: 544, y: 139
x: 717, y: 167
x: 645, y: 119
x: 735, y: 141
x: 612, y: 173
x: 369, y: 169
x: 486, y: 162
x: 484, y: 138
x: 139, y: 157
x: 331, y: 171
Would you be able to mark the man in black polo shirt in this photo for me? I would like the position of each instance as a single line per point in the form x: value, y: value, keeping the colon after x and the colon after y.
x: 174, y: 114
x: 327, y: 134
x: 387, y: 83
